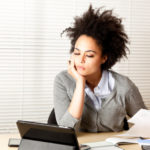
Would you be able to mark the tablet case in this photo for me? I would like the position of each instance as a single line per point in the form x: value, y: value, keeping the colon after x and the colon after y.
x: 38, y: 136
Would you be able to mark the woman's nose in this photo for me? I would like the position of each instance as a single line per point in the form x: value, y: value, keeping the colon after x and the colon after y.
x: 82, y: 59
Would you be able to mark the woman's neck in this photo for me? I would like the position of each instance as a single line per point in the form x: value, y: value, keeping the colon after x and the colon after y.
x: 93, y: 80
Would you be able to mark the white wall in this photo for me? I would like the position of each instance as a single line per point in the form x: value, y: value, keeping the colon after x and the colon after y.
x: 32, y: 52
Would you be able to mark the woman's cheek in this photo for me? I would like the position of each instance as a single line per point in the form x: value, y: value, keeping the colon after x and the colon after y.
x: 75, y: 61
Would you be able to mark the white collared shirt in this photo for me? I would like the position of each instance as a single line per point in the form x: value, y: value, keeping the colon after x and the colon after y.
x: 104, y: 88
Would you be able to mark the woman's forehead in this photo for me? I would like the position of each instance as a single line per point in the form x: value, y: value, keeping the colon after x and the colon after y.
x: 86, y: 43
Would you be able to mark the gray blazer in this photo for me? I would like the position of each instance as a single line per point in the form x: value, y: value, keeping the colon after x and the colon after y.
x: 125, y: 99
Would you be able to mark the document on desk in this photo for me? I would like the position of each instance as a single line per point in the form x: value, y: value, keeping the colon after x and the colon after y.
x: 144, y: 141
x: 142, y: 116
x: 103, y: 145
x: 141, y: 127
x: 120, y: 141
x: 107, y: 148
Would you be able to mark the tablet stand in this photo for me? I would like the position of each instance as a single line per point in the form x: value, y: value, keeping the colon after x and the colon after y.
x: 28, y: 144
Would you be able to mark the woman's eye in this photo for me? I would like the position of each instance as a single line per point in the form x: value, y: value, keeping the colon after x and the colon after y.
x: 76, y: 53
x: 90, y: 55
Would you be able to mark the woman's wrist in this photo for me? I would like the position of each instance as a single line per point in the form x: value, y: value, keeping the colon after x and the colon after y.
x: 80, y: 83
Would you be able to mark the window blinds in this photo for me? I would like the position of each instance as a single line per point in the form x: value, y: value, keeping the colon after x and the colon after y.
x: 32, y: 52
x: 137, y: 65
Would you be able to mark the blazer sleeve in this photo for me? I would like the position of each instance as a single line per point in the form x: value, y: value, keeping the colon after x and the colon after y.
x: 134, y: 101
x: 61, y: 104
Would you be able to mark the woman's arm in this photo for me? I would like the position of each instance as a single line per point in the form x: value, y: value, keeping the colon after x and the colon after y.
x: 77, y: 102
x: 62, y: 100
x: 134, y: 101
x: 68, y: 112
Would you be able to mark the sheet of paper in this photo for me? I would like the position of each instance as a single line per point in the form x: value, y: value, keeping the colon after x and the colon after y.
x: 141, y: 116
x: 99, y: 144
x: 138, y: 130
x: 103, y: 145
x: 107, y: 148
x: 141, y: 127
x: 116, y: 140
x: 144, y: 141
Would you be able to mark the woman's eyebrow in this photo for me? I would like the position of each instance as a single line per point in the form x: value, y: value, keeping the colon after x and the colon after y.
x: 86, y: 50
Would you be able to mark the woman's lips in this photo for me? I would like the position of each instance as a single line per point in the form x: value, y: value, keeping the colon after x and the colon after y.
x: 80, y: 67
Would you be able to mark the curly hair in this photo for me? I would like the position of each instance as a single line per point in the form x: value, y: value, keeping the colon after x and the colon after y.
x: 106, y: 29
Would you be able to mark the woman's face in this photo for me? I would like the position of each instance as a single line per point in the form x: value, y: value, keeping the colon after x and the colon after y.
x: 88, y: 56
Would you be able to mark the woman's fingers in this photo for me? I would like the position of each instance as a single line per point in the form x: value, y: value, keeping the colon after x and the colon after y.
x: 72, y: 69
x: 69, y: 62
x: 72, y: 61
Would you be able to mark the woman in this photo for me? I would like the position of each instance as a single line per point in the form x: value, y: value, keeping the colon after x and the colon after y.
x: 88, y: 95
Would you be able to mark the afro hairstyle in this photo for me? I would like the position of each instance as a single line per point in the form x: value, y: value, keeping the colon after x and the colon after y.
x: 106, y: 29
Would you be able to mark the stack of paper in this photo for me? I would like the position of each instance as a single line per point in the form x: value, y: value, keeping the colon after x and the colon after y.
x: 103, y: 145
x: 118, y: 141
x: 141, y: 127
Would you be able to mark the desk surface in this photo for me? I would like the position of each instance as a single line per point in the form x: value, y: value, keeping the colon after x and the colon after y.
x: 82, y: 138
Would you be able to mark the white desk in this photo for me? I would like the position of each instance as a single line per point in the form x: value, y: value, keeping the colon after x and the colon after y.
x: 82, y: 138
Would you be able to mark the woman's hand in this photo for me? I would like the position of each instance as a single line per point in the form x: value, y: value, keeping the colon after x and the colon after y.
x: 76, y: 106
x: 73, y: 71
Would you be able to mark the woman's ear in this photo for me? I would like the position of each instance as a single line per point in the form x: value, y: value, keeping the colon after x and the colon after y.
x: 104, y: 59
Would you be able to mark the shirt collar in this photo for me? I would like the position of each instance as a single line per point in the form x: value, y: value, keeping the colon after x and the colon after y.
x: 102, y: 88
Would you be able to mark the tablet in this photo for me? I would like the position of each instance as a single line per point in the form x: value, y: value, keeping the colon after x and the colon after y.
x: 47, y: 133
